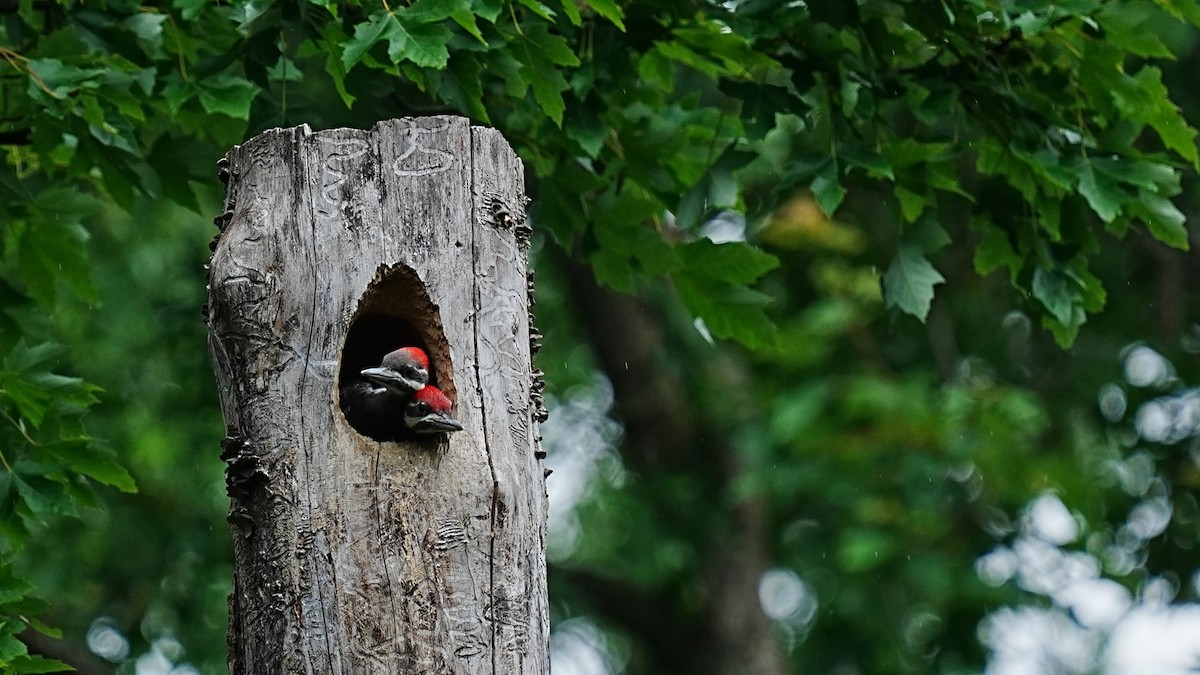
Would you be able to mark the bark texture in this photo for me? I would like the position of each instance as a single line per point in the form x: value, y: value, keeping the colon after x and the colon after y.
x: 354, y: 556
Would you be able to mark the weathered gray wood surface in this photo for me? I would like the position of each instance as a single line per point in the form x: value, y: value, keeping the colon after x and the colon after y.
x: 355, y: 556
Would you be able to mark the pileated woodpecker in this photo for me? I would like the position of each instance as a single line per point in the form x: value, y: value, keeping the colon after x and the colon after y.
x: 374, y: 403
x: 402, y: 372
x: 392, y: 401
x: 429, y: 413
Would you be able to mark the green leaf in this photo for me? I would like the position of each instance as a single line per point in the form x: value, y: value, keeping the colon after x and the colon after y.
x: 912, y: 204
x: 1148, y: 175
x: 1144, y: 97
x: 543, y: 52
x: 103, y: 468
x: 734, y: 262
x: 588, y: 130
x: 428, y: 11
x: 377, y: 27
x: 711, y: 47
x: 1048, y: 165
x: 148, y: 27
x: 25, y: 378
x: 1101, y: 194
x: 36, y: 664
x: 609, y: 10
x: 111, y: 130
x: 23, y: 358
x: 571, y: 9
x: 548, y: 86
x: 285, y: 70
x: 50, y: 246
x: 44, y: 498
x: 613, y: 270
x: 1068, y: 294
x: 466, y: 20
x: 44, y: 629
x: 463, y: 87
x: 13, y: 589
x: 909, y: 281
x: 504, y: 64
x: 1183, y: 9
x: 424, y: 44
x: 1136, y: 40
x: 488, y: 10
x: 190, y: 9
x: 227, y: 94
x: 876, y: 165
x: 411, y: 35
x: 995, y: 251
x: 621, y: 229
x: 331, y: 37
x: 551, y: 48
x: 59, y: 80
x: 927, y: 235
x: 245, y: 14
x: 1092, y: 295
x: 655, y: 69
x: 177, y: 92
x: 729, y: 310
x: 539, y: 9
x: 1165, y: 221
x: 1054, y: 292
x: 909, y: 152
x: 827, y: 190
x: 1064, y: 334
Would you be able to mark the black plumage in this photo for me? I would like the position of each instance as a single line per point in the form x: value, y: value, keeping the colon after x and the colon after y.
x: 374, y: 411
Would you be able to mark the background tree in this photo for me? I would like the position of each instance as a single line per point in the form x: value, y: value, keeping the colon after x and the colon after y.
x: 807, y: 478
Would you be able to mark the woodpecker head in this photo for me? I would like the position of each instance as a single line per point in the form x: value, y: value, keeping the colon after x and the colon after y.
x: 429, y: 413
x: 402, y: 372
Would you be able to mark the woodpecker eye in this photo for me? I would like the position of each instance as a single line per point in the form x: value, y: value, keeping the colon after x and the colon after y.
x: 422, y: 408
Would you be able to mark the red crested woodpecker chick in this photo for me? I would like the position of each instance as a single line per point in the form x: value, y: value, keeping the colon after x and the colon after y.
x: 402, y: 372
x: 429, y: 413
x: 374, y: 402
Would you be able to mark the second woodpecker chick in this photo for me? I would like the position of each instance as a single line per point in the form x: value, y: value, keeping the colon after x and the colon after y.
x: 402, y: 372
x: 429, y: 413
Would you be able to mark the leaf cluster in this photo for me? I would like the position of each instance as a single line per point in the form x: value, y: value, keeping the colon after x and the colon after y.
x: 642, y: 124
x: 49, y: 464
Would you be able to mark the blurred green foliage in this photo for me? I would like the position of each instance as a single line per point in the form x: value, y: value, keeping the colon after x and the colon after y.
x: 973, y: 164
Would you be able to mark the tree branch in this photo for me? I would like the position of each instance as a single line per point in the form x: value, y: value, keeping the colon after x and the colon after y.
x: 742, y: 640
x: 82, y: 660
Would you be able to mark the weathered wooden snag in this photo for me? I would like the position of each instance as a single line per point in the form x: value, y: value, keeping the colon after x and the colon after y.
x: 355, y: 556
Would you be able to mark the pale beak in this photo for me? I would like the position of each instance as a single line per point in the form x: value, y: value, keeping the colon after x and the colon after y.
x: 438, y: 423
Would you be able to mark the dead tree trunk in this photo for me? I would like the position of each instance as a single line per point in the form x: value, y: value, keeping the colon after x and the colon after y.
x: 352, y: 555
